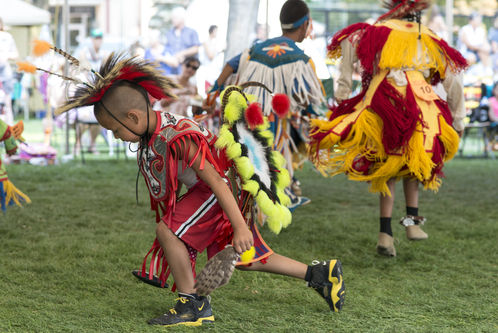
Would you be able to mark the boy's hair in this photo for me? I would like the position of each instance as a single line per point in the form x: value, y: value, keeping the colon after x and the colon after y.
x: 121, y: 98
x: 118, y: 69
x: 291, y: 12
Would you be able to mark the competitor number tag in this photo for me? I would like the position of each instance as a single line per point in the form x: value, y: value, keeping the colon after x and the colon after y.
x: 423, y: 90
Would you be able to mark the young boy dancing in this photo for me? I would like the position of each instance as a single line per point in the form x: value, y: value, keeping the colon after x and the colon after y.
x: 174, y: 151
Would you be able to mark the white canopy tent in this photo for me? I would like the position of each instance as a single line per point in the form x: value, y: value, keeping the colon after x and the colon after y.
x: 18, y: 12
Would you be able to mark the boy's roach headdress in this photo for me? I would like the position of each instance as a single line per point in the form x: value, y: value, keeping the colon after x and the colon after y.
x: 401, y: 8
x: 117, y: 68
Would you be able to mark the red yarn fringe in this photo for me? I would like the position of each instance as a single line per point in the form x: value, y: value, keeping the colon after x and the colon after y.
x: 344, y: 33
x: 370, y: 46
x: 455, y: 59
x: 399, y: 115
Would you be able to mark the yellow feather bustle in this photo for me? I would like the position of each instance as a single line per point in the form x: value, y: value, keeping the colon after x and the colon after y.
x: 278, y: 215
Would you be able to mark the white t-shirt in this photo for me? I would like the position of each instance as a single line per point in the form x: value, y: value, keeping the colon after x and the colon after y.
x: 8, y: 48
x: 476, y: 37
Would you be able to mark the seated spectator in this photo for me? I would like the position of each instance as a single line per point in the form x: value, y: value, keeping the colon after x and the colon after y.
x: 187, y: 91
x: 493, y: 117
x: 472, y: 40
x: 493, y: 40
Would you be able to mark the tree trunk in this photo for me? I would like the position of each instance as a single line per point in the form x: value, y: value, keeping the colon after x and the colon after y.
x: 242, y: 20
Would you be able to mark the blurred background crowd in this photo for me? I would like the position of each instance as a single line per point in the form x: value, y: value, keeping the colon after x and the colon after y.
x: 190, y: 40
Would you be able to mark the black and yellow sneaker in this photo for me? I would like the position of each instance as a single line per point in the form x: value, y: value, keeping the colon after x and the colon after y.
x: 327, y: 280
x: 188, y: 311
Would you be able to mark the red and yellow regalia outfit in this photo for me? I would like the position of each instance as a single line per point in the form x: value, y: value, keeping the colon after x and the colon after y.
x: 396, y: 126
x: 9, y: 194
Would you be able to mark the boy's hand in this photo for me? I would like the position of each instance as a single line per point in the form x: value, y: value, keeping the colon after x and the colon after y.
x: 242, y: 239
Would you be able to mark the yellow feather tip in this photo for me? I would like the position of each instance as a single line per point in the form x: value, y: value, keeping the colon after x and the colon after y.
x: 40, y: 47
x: 225, y: 138
x: 278, y: 159
x: 285, y: 216
x: 284, y: 198
x: 234, y: 150
x: 252, y: 187
x: 244, y: 167
x: 283, y: 178
x: 24, y: 66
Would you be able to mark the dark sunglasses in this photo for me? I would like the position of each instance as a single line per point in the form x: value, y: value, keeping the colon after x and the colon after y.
x: 192, y: 66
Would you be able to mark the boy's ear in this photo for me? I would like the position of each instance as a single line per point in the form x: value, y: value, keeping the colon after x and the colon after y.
x: 133, y: 115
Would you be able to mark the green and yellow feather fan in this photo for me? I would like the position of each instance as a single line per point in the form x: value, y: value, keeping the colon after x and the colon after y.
x: 247, y: 142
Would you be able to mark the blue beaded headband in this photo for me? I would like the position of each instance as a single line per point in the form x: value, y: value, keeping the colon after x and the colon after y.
x: 296, y: 24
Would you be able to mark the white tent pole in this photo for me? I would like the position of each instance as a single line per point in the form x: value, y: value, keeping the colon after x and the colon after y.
x: 65, y: 20
x: 449, y: 21
x: 267, y: 27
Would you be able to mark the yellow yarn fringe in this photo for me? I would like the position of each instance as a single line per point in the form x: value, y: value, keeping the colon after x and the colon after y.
x: 409, y: 57
x: 365, y: 141
x: 12, y: 193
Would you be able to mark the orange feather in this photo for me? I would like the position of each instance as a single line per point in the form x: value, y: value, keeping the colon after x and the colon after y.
x: 40, y: 47
x: 24, y: 66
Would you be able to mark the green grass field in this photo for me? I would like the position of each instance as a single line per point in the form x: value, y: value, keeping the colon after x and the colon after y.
x: 66, y: 259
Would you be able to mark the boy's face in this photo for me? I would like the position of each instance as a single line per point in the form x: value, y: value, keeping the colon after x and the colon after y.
x: 133, y: 120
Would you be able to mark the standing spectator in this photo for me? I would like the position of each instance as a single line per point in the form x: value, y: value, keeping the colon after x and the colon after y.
x: 211, y: 57
x: 209, y: 47
x: 8, y: 52
x: 157, y: 53
x: 473, y: 43
x: 93, y: 54
x: 181, y: 42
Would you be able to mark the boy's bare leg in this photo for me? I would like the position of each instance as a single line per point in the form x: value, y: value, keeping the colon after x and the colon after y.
x: 410, y: 187
x: 412, y: 225
x: 385, y: 244
x: 386, y: 201
x: 176, y: 254
x: 190, y: 309
x: 279, y: 264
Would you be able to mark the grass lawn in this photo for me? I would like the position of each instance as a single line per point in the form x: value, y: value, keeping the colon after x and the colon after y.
x: 66, y: 259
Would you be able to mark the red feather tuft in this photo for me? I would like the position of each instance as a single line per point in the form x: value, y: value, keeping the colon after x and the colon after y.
x: 280, y: 104
x: 129, y: 73
x: 254, y: 115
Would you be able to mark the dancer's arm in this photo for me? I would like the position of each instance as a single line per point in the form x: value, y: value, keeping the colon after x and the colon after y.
x: 453, y: 84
